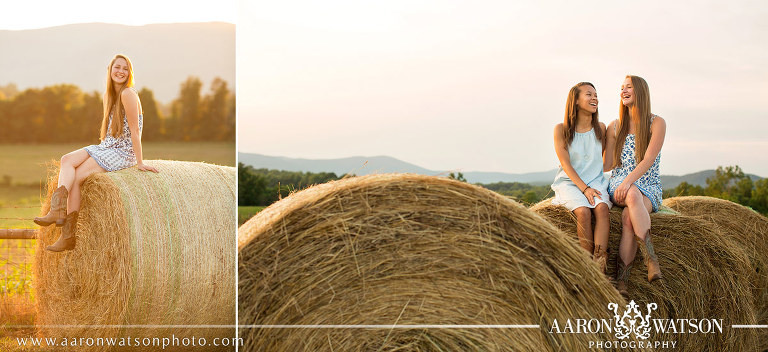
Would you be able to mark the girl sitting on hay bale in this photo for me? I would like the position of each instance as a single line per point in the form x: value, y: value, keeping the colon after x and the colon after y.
x: 633, y: 152
x: 120, y: 148
x: 579, y: 184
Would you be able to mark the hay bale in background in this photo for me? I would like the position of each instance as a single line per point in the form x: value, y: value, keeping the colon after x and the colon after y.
x: 152, y: 249
x: 746, y: 228
x: 705, y: 276
x: 410, y: 250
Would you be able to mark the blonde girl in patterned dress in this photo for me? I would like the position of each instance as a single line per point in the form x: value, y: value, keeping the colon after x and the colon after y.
x: 634, y: 153
x: 579, y: 184
x: 120, y: 148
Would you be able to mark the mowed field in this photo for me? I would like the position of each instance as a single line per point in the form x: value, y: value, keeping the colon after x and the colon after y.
x: 25, y: 167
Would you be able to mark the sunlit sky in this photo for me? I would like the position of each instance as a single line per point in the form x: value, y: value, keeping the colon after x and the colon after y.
x: 41, y: 14
x: 479, y: 86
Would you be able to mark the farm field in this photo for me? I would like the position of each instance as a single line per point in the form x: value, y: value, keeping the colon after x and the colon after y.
x: 246, y: 212
x: 26, y: 164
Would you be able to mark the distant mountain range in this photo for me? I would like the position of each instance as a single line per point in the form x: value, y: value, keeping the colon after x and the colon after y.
x: 163, y: 55
x: 360, y: 165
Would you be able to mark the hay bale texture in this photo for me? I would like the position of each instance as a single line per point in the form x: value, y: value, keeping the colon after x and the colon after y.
x: 746, y: 228
x: 152, y: 249
x: 705, y: 276
x: 411, y: 250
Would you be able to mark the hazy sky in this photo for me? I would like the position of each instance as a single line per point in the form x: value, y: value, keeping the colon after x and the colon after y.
x: 479, y: 86
x: 33, y: 14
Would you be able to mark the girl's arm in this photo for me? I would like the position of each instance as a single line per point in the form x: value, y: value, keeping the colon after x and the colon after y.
x: 131, y: 104
x: 658, y: 132
x: 565, y: 163
x: 610, y: 144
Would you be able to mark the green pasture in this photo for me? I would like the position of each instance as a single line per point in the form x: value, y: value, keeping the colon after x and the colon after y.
x: 246, y: 212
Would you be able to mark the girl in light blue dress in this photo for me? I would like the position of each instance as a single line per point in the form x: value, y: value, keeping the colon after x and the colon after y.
x: 633, y: 152
x: 120, y: 148
x: 579, y: 184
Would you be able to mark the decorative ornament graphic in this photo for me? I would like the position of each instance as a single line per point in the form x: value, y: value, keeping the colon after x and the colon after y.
x: 632, y: 321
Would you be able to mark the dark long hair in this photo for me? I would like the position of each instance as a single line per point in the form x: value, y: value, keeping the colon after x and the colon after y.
x: 572, y: 113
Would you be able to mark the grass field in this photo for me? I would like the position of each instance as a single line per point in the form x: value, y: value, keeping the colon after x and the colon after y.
x: 245, y: 212
x: 25, y: 164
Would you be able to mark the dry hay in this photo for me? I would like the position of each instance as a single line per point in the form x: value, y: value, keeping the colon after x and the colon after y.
x: 705, y: 276
x: 152, y: 249
x: 746, y: 228
x: 412, y: 250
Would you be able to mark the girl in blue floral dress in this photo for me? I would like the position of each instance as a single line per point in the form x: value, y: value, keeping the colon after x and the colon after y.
x: 633, y: 151
x: 579, y: 184
x: 120, y: 148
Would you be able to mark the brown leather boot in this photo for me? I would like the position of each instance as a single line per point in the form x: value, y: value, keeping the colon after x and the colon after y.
x: 67, y: 239
x: 651, y: 261
x: 58, y: 212
x: 622, y: 276
x: 600, y: 257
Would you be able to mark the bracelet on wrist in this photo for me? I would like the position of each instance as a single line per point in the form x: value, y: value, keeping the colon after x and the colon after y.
x: 585, y: 190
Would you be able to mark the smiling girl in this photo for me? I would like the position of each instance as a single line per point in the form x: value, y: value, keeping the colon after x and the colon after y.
x: 633, y: 152
x: 579, y: 184
x: 120, y: 148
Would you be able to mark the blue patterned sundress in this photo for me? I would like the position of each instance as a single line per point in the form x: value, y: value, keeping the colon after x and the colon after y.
x: 649, y: 184
x: 112, y: 153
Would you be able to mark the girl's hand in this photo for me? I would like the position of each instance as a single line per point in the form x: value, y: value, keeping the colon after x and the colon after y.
x: 145, y: 167
x: 591, y: 193
x: 621, y: 192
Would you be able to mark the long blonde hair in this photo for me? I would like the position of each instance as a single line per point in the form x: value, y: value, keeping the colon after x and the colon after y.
x: 572, y: 113
x: 641, y: 109
x: 112, y: 100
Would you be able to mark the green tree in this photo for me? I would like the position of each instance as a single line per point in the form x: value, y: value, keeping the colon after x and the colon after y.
x: 759, y: 199
x: 216, y: 111
x: 728, y: 183
x: 186, y: 111
x: 154, y: 128
x: 251, y: 187
x: 687, y: 189
x: 458, y: 177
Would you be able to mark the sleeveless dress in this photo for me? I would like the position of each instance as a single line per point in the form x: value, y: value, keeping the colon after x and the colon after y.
x: 112, y: 153
x: 586, y: 154
x: 649, y: 184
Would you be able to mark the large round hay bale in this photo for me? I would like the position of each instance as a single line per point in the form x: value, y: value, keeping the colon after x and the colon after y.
x: 705, y: 276
x: 411, y: 250
x: 152, y: 250
x: 745, y: 227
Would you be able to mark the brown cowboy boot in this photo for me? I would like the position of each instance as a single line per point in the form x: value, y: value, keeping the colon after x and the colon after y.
x: 600, y: 257
x: 651, y: 261
x: 58, y: 212
x: 67, y: 239
x: 622, y: 276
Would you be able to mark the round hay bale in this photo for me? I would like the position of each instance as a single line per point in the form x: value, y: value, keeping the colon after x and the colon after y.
x: 705, y: 276
x: 152, y: 250
x: 745, y: 227
x: 411, y: 250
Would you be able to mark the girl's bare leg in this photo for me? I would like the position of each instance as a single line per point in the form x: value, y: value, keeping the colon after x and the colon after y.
x: 85, y: 169
x: 69, y: 163
x: 584, y: 228
x: 602, y: 225
x: 627, y: 245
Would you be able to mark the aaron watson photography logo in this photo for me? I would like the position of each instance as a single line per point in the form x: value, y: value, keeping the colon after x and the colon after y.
x: 638, y: 322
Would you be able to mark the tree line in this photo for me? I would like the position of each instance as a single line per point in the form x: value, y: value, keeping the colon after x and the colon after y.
x: 729, y: 183
x: 264, y: 187
x: 63, y: 113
